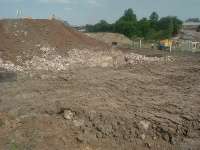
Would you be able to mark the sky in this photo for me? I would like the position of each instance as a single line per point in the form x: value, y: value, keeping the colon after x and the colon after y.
x: 81, y: 12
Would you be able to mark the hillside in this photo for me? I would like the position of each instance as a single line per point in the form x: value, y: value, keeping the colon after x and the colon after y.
x: 25, y: 37
x: 108, y: 38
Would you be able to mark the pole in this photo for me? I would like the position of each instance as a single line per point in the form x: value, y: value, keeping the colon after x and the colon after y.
x: 170, y: 47
x: 140, y: 43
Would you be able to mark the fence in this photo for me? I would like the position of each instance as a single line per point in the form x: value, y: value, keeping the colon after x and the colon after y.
x: 187, y: 45
x: 178, y: 45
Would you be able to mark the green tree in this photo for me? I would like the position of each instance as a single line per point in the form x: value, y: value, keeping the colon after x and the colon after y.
x: 101, y: 26
x: 151, y: 34
x: 154, y: 17
x: 143, y: 27
x: 89, y: 28
x: 170, y: 29
x: 152, y: 28
x: 127, y: 24
x: 170, y: 26
x: 193, y: 20
x: 177, y: 23
x: 125, y: 27
x: 129, y: 15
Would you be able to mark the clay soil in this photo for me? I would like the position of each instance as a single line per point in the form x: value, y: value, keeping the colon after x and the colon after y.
x: 148, y: 106
x: 22, y: 37
x: 130, y: 107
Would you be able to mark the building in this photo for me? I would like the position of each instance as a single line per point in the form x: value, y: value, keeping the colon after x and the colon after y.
x: 190, y: 25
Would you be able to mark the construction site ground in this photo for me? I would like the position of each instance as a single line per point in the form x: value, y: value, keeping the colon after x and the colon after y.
x: 130, y: 106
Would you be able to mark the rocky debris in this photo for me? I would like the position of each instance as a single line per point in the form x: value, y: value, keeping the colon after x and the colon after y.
x: 145, y: 124
x: 81, y: 138
x: 68, y: 115
x: 143, y: 136
x: 134, y: 59
x: 96, y: 126
x: 76, y: 58
x: 7, y: 65
x: 52, y: 61
x: 79, y: 123
x: 56, y: 64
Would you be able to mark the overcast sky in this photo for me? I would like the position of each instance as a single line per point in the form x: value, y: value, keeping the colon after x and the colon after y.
x: 79, y: 12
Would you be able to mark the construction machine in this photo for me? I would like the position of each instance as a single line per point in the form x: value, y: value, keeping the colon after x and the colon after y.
x: 165, y: 44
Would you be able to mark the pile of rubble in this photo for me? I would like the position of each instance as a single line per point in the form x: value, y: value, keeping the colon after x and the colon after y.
x: 50, y: 45
x: 51, y: 60
x: 7, y: 65
x: 134, y: 58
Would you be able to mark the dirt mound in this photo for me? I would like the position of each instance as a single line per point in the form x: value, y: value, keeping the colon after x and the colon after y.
x: 111, y: 37
x: 25, y: 37
x: 49, y: 45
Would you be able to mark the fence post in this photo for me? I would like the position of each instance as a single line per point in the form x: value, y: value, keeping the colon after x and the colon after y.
x: 170, y: 48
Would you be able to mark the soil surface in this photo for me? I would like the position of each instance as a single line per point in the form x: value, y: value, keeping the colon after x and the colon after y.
x: 147, y: 106
x: 145, y: 102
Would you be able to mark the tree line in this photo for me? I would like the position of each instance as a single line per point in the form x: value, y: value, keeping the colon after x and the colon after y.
x: 193, y: 20
x: 152, y: 28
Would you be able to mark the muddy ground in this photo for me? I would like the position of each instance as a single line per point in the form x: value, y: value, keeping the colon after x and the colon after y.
x: 144, y: 106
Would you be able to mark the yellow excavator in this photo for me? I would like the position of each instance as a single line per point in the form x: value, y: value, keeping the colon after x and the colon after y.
x: 165, y: 44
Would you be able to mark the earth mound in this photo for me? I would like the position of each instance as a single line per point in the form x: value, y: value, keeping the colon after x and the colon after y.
x: 109, y: 38
x: 25, y: 37
x: 38, y: 44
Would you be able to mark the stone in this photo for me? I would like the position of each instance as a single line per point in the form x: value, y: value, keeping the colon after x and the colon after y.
x: 148, y: 145
x: 68, y: 115
x: 99, y: 135
x: 172, y: 140
x: 105, y: 129
x: 165, y: 137
x: 78, y: 123
x: 145, y: 124
x: 143, y: 136
x: 80, y: 139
